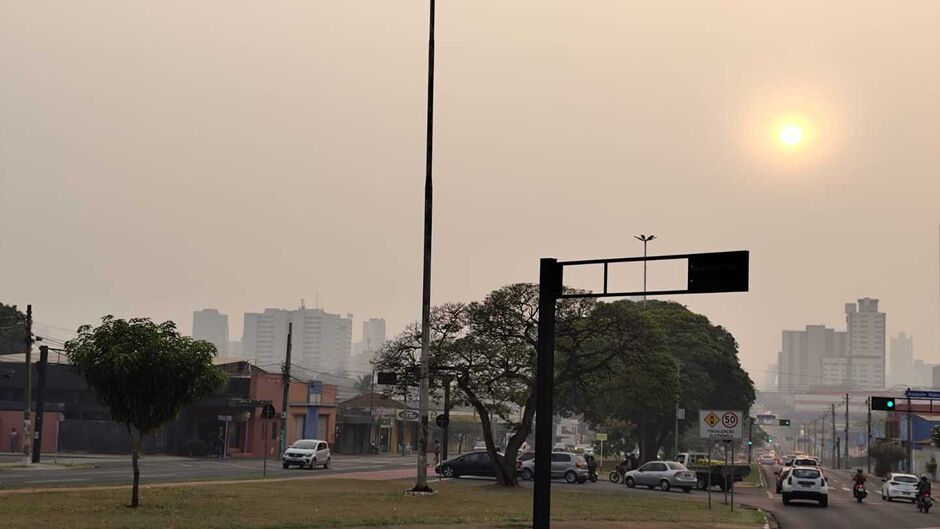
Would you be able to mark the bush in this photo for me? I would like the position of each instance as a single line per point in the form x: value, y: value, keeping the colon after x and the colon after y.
x: 886, y: 456
x: 197, y: 447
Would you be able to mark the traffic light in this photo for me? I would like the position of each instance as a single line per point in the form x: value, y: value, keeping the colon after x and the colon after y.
x: 882, y: 403
x: 770, y: 439
x: 750, y: 443
x: 784, y: 422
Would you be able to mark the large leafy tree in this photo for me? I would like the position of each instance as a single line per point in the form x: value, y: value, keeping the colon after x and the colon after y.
x: 488, y: 349
x: 647, y: 356
x: 144, y: 372
x: 12, y: 330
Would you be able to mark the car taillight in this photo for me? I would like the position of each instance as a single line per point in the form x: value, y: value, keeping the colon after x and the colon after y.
x: 578, y: 464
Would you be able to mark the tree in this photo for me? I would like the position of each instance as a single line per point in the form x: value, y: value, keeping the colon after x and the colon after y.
x: 935, y: 435
x: 12, y: 330
x: 144, y: 372
x: 629, y: 364
x: 489, y: 349
x: 886, y: 455
x: 364, y: 383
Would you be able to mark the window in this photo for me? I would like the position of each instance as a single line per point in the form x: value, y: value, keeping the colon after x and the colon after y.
x: 560, y: 458
x: 805, y: 473
x: 677, y: 466
x: 322, y: 446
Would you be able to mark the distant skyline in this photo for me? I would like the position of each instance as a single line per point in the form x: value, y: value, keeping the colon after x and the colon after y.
x: 161, y: 158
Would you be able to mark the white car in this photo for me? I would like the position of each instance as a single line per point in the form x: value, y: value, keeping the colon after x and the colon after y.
x: 308, y: 453
x: 805, y: 483
x: 899, y: 487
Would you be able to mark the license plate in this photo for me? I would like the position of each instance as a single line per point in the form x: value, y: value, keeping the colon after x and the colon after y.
x: 906, y: 493
x: 805, y: 483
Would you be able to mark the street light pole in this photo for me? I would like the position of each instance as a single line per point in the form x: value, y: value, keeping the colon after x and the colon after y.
x: 421, y: 484
x: 645, y: 239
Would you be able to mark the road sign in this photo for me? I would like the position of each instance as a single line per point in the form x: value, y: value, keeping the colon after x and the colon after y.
x: 766, y: 419
x: 680, y: 414
x: 225, y: 418
x: 722, y: 425
x: 917, y: 394
x: 408, y: 415
x: 442, y: 421
x: 601, y: 437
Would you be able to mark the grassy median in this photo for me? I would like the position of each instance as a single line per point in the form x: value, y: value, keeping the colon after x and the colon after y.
x: 339, y: 503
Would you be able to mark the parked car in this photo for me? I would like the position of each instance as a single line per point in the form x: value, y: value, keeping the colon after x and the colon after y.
x: 308, y: 453
x: 899, y: 487
x: 806, y: 483
x: 568, y: 465
x: 469, y: 464
x: 781, y: 476
x: 662, y: 474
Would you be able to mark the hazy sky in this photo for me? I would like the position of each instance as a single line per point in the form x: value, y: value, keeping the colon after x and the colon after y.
x: 161, y: 157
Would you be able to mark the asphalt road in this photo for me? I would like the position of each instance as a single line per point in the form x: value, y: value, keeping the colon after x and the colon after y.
x: 118, y: 471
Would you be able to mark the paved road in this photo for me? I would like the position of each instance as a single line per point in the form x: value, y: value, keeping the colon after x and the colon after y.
x: 843, y: 510
x: 117, y: 470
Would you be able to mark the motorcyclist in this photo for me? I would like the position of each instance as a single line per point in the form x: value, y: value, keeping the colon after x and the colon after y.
x: 923, y: 486
x: 859, y: 477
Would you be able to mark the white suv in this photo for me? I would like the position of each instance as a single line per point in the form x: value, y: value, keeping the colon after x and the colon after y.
x: 806, y: 483
x: 307, y: 453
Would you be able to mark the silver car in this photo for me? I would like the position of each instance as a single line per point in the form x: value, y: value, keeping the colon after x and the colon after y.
x: 662, y: 474
x: 568, y: 465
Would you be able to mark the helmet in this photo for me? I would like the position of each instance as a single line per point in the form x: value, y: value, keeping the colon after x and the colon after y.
x: 923, y: 476
x: 860, y: 471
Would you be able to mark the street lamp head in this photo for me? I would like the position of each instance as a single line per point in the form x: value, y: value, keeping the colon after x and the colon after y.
x: 644, y: 238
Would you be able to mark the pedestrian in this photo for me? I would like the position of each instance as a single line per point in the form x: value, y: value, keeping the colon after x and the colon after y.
x: 14, y: 437
x: 437, y: 452
x: 220, y: 444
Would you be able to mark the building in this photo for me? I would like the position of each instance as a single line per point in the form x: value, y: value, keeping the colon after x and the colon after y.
x: 923, y: 374
x: 813, y: 357
x: 901, y: 362
x: 212, y: 326
x: 321, y: 342
x: 866, y: 328
x: 373, y: 337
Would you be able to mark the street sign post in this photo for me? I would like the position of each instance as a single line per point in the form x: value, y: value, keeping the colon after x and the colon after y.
x: 720, y: 425
x: 707, y: 273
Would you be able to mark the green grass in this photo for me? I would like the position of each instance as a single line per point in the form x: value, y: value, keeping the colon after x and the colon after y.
x: 754, y: 476
x: 339, y: 503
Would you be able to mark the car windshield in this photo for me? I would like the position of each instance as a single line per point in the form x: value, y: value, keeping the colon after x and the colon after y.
x: 676, y: 466
x: 905, y: 479
x: 805, y: 473
x: 304, y: 445
x: 806, y: 462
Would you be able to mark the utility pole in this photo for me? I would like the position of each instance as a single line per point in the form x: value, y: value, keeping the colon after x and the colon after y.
x: 373, y: 438
x: 846, y: 448
x: 421, y: 484
x: 675, y: 451
x: 445, y: 438
x: 28, y: 395
x: 750, y: 437
x: 644, y: 239
x: 40, y: 401
x: 868, y: 439
x: 285, y: 377
x: 835, y: 452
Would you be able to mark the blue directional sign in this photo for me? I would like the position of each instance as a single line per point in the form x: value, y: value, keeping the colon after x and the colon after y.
x: 918, y: 394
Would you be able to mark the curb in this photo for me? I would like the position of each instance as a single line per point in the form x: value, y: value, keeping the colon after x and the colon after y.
x: 771, y: 520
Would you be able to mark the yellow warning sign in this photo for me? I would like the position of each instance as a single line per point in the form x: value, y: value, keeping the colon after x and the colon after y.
x: 711, y: 419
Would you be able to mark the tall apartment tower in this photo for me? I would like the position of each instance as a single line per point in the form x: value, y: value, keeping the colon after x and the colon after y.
x: 866, y: 328
x: 373, y: 334
x: 901, y: 363
x: 212, y: 326
x: 320, y: 342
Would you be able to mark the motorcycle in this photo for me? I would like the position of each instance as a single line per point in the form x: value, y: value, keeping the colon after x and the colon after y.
x: 592, y: 476
x: 924, y: 502
x: 859, y: 492
x: 616, y: 476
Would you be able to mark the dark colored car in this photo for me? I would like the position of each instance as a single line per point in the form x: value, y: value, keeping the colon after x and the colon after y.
x: 781, y: 476
x: 469, y: 464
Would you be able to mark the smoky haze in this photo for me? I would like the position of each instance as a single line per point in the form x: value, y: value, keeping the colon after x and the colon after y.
x: 162, y: 157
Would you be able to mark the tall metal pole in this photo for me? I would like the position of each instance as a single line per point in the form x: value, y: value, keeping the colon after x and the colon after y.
x: 675, y: 451
x: 40, y: 400
x: 421, y: 483
x: 910, y: 439
x: 549, y: 289
x: 445, y: 431
x: 846, y: 447
x: 835, y: 453
x: 285, y: 376
x: 645, y: 239
x: 868, y: 439
x: 28, y: 395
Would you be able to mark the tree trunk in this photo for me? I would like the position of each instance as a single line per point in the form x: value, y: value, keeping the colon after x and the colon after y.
x: 504, y: 465
x: 136, y: 443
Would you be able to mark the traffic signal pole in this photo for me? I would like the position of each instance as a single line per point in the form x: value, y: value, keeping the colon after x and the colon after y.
x: 549, y: 289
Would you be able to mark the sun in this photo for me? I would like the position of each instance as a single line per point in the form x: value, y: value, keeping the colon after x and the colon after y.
x: 791, y: 135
